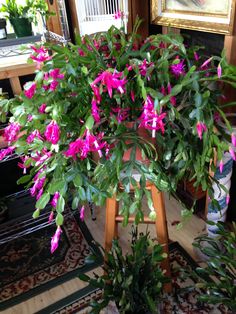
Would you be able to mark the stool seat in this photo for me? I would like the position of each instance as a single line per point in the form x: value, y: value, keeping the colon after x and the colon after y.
x: 113, y: 218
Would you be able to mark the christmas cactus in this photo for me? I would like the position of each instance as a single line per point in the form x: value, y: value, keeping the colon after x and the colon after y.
x: 70, y: 126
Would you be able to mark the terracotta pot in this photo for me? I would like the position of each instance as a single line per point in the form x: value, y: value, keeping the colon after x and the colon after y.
x: 143, y: 133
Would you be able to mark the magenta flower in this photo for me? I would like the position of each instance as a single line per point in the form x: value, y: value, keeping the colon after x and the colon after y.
x: 132, y: 95
x: 205, y: 64
x: 221, y: 166
x: 55, y: 239
x: 219, y: 71
x: 200, y: 128
x: 196, y: 56
x: 39, y: 194
x: 233, y: 139
x: 163, y: 90
x: 149, y: 118
x: 110, y: 81
x: 41, y: 157
x: 178, y: 69
x: 23, y: 165
x: 227, y: 199
x: 55, y: 199
x: 95, y: 111
x: 42, y: 108
x: 82, y: 213
x: 52, y: 132
x: 74, y: 148
x: 118, y: 15
x: 33, y: 135
x: 144, y: 67
x: 41, y: 55
x: 38, y: 185
x: 232, y: 153
x: 55, y: 74
x: 122, y: 113
x: 7, y: 151
x: 30, y: 91
x: 81, y: 52
x: 53, y: 85
x: 11, y: 132
x: 50, y: 218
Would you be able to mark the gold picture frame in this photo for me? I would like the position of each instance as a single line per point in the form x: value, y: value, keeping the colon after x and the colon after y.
x: 201, y: 15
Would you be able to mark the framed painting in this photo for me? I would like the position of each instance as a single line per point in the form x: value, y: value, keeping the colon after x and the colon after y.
x: 202, y: 15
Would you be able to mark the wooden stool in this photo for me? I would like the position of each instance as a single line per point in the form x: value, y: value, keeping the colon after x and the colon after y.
x: 113, y: 218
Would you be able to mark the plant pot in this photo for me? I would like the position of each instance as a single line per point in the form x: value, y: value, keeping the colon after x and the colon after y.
x: 3, y: 32
x: 22, y: 26
x: 142, y: 133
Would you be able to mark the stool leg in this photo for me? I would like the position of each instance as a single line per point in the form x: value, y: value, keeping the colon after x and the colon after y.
x: 162, y: 230
x: 111, y: 228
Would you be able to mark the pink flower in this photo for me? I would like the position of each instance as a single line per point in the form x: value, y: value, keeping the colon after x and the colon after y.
x: 200, y: 128
x: 55, y: 239
x: 95, y: 111
x: 196, y: 56
x: 38, y: 185
x: 11, y: 132
x: 205, y: 64
x: 118, y: 15
x: 42, y: 108
x: 163, y: 90
x: 227, y: 199
x: 219, y: 71
x: 41, y: 55
x: 132, y: 95
x: 82, y: 213
x: 33, y: 135
x: 178, y: 69
x: 22, y: 165
x: 110, y: 81
x: 74, y: 148
x: 83, y: 146
x: 52, y: 132
x: 55, y: 74
x: 53, y: 85
x: 233, y: 139
x: 81, y: 52
x: 149, y: 118
x: 30, y: 91
x: 7, y: 151
x: 221, y: 166
x: 122, y: 113
x: 55, y: 199
x: 50, y: 218
x: 41, y: 157
x: 39, y: 194
x: 232, y: 153
x: 144, y: 67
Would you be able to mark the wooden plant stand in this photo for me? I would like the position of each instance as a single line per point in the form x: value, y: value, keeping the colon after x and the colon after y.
x: 113, y: 218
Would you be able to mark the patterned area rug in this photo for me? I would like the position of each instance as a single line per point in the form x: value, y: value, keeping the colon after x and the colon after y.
x: 179, y: 302
x: 26, y: 265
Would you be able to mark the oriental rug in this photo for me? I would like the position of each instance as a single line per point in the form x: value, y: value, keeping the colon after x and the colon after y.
x: 26, y: 265
x: 181, y: 301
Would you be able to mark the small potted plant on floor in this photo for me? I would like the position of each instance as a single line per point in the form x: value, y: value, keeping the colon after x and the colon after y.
x: 134, y: 281
x: 91, y: 102
x: 217, y: 277
x: 21, y: 16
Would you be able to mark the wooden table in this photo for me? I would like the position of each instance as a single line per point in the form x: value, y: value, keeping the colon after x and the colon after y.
x: 12, y: 68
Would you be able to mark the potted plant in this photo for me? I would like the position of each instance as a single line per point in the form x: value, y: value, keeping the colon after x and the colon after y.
x: 21, y: 16
x: 134, y: 280
x: 71, y: 125
x: 217, y: 277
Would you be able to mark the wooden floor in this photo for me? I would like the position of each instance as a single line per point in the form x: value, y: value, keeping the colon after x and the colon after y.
x: 184, y: 236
